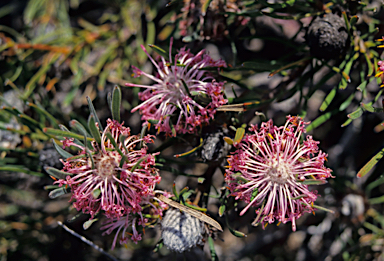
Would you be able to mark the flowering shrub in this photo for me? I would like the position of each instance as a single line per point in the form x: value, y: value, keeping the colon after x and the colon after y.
x: 271, y: 169
x: 184, y: 96
x: 277, y: 61
x: 119, y: 185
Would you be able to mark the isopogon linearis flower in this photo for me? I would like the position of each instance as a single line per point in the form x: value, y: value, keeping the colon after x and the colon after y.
x: 271, y: 170
x: 183, y: 95
x: 380, y: 64
x: 380, y: 72
x: 106, y: 186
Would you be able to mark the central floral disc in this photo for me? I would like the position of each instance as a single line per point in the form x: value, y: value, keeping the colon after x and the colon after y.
x: 105, y: 165
x: 279, y: 172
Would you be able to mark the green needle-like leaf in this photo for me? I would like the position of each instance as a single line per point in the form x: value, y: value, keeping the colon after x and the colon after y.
x: 116, y: 103
x: 93, y: 112
x: 60, y: 150
x: 93, y: 129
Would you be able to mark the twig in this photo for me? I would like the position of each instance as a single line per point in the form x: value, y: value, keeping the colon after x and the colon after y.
x: 89, y: 242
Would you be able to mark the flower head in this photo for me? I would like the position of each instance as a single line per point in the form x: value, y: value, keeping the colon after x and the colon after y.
x: 380, y: 64
x: 103, y: 183
x: 380, y: 72
x: 271, y: 169
x: 184, y: 96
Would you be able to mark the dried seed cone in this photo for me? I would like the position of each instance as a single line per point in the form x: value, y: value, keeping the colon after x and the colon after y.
x: 181, y: 231
x: 327, y: 36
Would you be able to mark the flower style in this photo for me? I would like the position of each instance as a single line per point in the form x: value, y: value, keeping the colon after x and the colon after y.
x: 380, y: 64
x: 133, y: 222
x: 380, y: 72
x: 103, y: 184
x: 271, y: 170
x: 184, y: 96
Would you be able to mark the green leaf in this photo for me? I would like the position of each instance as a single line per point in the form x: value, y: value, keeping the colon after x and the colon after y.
x: 60, y: 150
x: 96, y: 193
x: 211, y: 244
x: 374, y: 184
x: 174, y: 191
x: 378, y: 200
x: 222, y: 210
x: 346, y: 123
x: 66, y: 134
x: 80, y: 127
x: 138, y: 163
x: 239, y: 133
x: 93, y: 129
x: 353, y: 20
x: 367, y: 107
x: 123, y: 157
x: 116, y: 103
x: 89, y: 223
x: 185, y: 154
x: 344, y: 81
x: 228, y: 140
x: 327, y: 101
x: 346, y: 103
x: 369, y: 64
x: 20, y: 169
x: 233, y: 231
x: 254, y: 193
x: 159, y: 50
x: 356, y: 114
x: 370, y: 164
x: 313, y: 182
x: 173, y: 130
x: 109, y: 100
x: 93, y: 112
x: 57, y: 192
x: 57, y: 173
x: 319, y: 120
x: 41, y: 110
x: 31, y: 85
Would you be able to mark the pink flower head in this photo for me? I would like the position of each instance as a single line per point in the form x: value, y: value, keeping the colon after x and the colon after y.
x: 102, y: 184
x: 271, y: 169
x: 183, y: 95
x: 380, y: 72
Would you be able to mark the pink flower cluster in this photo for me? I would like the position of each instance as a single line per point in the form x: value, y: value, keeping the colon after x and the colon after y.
x: 183, y: 96
x: 121, y: 192
x: 271, y: 168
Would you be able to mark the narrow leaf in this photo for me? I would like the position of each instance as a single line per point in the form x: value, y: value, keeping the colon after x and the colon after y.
x: 60, y: 150
x: 239, y: 134
x: 319, y: 120
x: 377, y: 200
x: 356, y: 114
x: 370, y: 164
x: 191, y: 151
x: 367, y: 107
x: 93, y: 129
x: 57, y: 173
x: 327, y: 101
x: 89, y: 223
x: 93, y: 112
x: 211, y: 244
x: 57, y: 192
x: 116, y: 103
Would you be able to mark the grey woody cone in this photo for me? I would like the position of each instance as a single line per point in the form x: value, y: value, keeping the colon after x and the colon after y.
x: 181, y: 231
x: 327, y: 36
